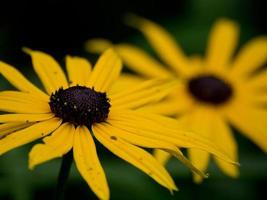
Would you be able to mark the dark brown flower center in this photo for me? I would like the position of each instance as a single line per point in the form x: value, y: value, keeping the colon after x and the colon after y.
x: 210, y: 89
x: 80, y: 105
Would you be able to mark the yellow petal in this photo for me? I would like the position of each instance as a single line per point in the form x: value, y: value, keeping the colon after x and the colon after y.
x: 251, y: 57
x: 257, y: 82
x: 224, y: 138
x: 222, y: 44
x: 124, y: 82
x: 25, y: 117
x: 20, y: 102
x: 56, y: 145
x: 28, y: 135
x: 135, y: 156
x: 164, y: 107
x: 106, y: 71
x: 199, y: 121
x: 133, y: 57
x: 258, y: 98
x: 196, y: 66
x: 18, y: 80
x: 78, y: 70
x: 146, y: 142
x: 88, y: 164
x: 186, y: 162
x: 8, y: 128
x: 164, y: 44
x: 97, y: 45
x: 142, y: 94
x: 249, y: 92
x: 142, y: 63
x: 165, y: 129
x: 24, y: 96
x: 162, y: 156
x: 132, y: 137
x: 252, y: 122
x: 22, y: 107
x: 174, y: 104
x: 48, y: 70
x: 200, y: 159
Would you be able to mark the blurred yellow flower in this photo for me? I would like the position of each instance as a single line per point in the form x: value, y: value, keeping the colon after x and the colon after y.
x: 80, y: 108
x: 215, y: 92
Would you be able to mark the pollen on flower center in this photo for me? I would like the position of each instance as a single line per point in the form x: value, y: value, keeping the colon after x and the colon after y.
x: 80, y: 105
x: 210, y: 89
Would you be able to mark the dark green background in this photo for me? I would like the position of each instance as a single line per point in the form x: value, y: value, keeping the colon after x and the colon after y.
x: 60, y: 27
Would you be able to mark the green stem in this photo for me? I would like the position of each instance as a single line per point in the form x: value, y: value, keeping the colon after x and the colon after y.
x: 63, y: 175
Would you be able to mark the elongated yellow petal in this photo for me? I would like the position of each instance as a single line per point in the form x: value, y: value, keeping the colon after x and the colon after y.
x: 23, y: 96
x: 200, y: 159
x: 147, y: 92
x: 106, y: 71
x: 132, y: 56
x: 88, y: 164
x: 258, y: 98
x: 174, y: 104
x: 79, y: 70
x: 165, y: 107
x: 18, y: 80
x: 132, y: 137
x: 56, y: 145
x: 222, y: 44
x: 196, y: 66
x: 28, y: 135
x: 186, y: 162
x: 146, y: 142
x: 162, y: 156
x: 124, y: 82
x: 224, y: 138
x: 22, y: 107
x: 165, y: 129
x: 8, y: 128
x: 48, y: 70
x: 251, y: 121
x: 164, y: 44
x: 97, y: 45
x: 257, y: 82
x: 199, y: 121
x: 142, y: 63
x: 251, y: 57
x: 25, y: 118
x: 135, y: 156
x: 20, y: 102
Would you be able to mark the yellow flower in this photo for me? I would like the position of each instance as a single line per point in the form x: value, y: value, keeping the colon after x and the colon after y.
x: 216, y: 91
x: 77, y: 110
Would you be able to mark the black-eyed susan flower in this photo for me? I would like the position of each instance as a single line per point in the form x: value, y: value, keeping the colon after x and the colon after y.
x: 216, y: 91
x: 71, y: 113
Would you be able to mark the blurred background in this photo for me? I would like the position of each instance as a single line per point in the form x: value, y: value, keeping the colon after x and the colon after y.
x: 61, y: 27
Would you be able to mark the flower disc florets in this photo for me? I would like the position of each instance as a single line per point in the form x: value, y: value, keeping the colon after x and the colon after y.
x: 210, y: 89
x: 80, y: 105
